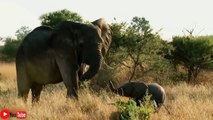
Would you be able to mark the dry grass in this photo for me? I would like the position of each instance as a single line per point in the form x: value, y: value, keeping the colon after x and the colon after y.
x: 205, y: 77
x: 7, y: 76
x: 8, y: 71
x: 184, y: 102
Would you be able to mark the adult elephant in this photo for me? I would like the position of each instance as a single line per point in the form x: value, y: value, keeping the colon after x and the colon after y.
x: 49, y: 55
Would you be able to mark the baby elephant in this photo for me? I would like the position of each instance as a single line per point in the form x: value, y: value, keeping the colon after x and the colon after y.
x: 137, y: 91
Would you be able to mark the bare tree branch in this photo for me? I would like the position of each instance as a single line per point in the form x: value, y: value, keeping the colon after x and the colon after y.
x: 124, y: 64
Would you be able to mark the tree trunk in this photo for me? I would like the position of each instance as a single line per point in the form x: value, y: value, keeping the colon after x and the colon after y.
x: 189, y: 74
x: 195, y: 73
x: 136, y: 63
x: 192, y: 73
x: 133, y: 72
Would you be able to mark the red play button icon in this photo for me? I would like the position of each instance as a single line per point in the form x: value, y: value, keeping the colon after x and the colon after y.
x: 5, y: 114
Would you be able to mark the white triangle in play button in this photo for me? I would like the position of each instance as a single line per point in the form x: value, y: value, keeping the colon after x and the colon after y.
x: 4, y: 114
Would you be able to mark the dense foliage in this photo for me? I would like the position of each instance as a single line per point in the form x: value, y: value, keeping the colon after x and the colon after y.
x: 194, y: 53
x: 137, y: 47
x: 53, y: 18
x: 8, y: 51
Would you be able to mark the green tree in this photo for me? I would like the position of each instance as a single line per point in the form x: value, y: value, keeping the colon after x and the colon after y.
x: 141, y: 50
x: 9, y: 49
x: 134, y: 40
x: 22, y: 32
x: 137, y: 43
x: 116, y: 53
x: 194, y: 53
x: 1, y: 47
x: 11, y: 45
x: 53, y: 18
x: 138, y: 35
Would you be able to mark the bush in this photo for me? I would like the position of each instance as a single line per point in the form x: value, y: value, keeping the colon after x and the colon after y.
x: 194, y: 53
x: 130, y: 111
x: 9, y: 49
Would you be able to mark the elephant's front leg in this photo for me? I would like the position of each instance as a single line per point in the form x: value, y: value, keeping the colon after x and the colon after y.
x: 71, y: 82
x: 69, y: 72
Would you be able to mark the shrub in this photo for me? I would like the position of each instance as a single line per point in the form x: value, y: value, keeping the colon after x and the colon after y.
x: 130, y: 111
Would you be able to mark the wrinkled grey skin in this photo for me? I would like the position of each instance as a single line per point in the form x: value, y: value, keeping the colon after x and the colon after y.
x: 106, y: 35
x: 137, y: 91
x: 158, y: 93
x: 48, y: 56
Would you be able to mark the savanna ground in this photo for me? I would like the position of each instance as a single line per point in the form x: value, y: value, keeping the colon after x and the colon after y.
x: 183, y: 101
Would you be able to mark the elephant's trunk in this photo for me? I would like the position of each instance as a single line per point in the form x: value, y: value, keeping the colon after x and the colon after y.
x: 116, y: 90
x: 94, y: 65
x: 113, y: 89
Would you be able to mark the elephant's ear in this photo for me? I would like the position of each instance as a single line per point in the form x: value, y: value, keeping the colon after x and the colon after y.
x: 105, y: 33
x: 105, y: 30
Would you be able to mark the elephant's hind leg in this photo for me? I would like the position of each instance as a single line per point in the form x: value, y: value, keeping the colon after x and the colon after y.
x: 36, y: 91
x: 23, y: 93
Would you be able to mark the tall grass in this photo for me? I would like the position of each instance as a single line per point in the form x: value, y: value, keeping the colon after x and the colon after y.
x: 183, y: 101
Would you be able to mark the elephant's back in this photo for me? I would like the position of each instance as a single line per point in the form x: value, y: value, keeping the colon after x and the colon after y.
x: 36, y: 41
x: 140, y: 89
x: 135, y: 89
